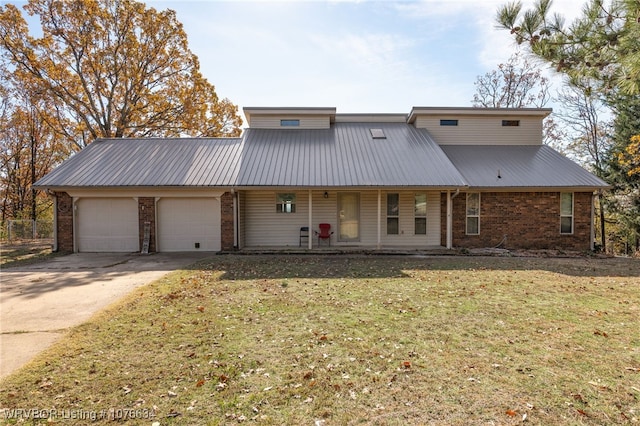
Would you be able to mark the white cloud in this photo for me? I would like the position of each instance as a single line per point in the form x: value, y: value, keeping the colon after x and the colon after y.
x: 356, y: 55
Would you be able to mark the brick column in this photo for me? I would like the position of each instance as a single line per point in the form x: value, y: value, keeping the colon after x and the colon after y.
x: 147, y: 213
x: 64, y: 222
x: 226, y: 221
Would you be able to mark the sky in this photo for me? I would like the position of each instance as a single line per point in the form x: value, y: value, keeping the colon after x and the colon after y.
x: 358, y: 56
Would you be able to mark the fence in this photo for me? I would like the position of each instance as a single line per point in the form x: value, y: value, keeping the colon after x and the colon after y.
x: 29, y: 229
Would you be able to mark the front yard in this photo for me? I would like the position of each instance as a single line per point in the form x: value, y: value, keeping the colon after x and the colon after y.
x: 333, y: 340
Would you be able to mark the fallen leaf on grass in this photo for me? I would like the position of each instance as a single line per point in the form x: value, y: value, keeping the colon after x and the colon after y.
x: 200, y: 383
x: 579, y: 398
x: 200, y: 308
x: 600, y: 333
x: 599, y: 386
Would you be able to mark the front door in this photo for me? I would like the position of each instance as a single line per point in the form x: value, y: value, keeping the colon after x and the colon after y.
x: 348, y: 216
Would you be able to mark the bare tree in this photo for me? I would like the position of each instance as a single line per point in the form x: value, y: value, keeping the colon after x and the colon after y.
x: 583, y: 113
x: 515, y: 84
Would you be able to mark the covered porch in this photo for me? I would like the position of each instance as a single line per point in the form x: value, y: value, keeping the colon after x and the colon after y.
x: 360, y: 219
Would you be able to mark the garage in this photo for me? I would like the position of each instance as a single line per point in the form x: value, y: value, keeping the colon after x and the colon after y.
x: 107, y: 225
x: 188, y: 224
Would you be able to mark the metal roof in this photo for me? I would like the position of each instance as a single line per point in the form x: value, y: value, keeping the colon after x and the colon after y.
x: 192, y: 162
x: 524, y: 166
x: 345, y: 155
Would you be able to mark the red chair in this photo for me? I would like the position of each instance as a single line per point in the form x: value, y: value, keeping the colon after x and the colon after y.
x: 325, y: 233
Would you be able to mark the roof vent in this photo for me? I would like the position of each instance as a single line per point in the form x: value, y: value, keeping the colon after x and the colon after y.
x: 377, y: 134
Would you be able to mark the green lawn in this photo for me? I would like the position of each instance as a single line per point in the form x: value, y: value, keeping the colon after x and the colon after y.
x: 333, y: 340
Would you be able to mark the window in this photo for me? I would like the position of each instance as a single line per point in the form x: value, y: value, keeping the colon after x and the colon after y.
x: 393, y: 210
x: 286, y: 203
x: 420, y: 214
x: 289, y: 123
x: 566, y: 213
x: 473, y: 213
x: 448, y: 122
x: 510, y: 123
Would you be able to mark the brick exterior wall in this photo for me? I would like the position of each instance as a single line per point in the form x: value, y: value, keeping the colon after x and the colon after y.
x: 147, y: 213
x: 530, y: 220
x: 64, y: 222
x: 226, y: 222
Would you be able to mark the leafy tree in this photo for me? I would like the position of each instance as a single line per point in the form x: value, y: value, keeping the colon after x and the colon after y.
x: 602, y: 45
x: 622, y: 168
x: 101, y: 68
x: 115, y: 69
x: 630, y: 157
x: 29, y: 149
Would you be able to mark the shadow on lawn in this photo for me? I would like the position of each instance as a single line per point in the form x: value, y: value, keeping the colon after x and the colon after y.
x: 83, y: 269
x: 374, y: 266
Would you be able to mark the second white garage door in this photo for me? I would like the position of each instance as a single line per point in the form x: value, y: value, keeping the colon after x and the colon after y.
x: 188, y: 224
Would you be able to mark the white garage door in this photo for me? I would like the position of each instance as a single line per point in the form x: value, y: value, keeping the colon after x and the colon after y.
x: 188, y: 224
x: 107, y: 225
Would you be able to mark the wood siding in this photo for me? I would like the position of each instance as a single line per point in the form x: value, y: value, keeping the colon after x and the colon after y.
x: 483, y: 130
x: 263, y: 226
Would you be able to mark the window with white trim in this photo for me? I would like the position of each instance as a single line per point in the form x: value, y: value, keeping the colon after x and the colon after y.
x: 473, y: 213
x: 286, y: 203
x: 420, y: 214
x: 393, y: 212
x: 566, y: 213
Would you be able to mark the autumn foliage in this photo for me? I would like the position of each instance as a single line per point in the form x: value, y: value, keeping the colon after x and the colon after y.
x: 630, y: 158
x: 103, y: 69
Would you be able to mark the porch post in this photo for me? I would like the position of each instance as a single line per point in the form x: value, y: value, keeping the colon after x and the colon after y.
x: 379, y: 218
x: 236, y: 242
x: 449, y: 221
x: 310, y: 239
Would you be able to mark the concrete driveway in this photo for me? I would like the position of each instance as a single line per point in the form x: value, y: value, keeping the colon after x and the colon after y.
x: 39, y: 302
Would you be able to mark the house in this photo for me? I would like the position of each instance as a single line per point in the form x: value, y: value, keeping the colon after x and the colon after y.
x: 436, y: 177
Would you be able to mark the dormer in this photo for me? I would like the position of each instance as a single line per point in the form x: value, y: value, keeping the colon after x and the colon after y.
x: 481, y: 126
x: 289, y: 118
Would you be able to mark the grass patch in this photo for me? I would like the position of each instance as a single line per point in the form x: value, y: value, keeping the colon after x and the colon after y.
x: 20, y: 253
x: 356, y: 340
